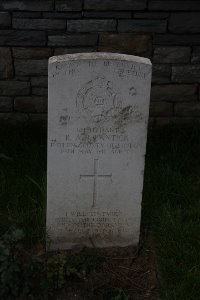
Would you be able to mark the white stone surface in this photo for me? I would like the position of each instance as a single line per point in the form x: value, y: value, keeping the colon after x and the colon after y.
x: 97, y: 126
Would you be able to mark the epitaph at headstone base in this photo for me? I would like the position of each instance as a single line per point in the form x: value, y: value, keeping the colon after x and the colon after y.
x: 97, y: 128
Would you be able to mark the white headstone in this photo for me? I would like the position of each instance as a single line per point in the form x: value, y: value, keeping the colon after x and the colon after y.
x: 97, y: 129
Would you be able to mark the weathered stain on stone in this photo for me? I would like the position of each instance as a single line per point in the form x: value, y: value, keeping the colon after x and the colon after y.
x: 85, y: 139
x: 127, y: 115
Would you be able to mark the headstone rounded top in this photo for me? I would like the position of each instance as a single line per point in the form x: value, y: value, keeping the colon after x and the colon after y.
x: 99, y: 55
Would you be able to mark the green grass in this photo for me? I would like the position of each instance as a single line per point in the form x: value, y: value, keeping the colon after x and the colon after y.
x: 23, y: 181
x: 171, y: 209
x: 171, y: 199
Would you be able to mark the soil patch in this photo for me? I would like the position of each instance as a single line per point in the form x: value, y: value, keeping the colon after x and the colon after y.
x: 128, y: 272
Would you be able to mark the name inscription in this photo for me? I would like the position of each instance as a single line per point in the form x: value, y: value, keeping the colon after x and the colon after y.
x: 94, y: 141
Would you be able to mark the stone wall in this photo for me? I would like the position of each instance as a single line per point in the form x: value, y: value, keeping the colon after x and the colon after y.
x: 168, y: 32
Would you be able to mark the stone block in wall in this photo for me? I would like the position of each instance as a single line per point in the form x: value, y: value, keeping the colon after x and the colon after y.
x: 187, y: 109
x: 61, y: 51
x: 34, y: 104
x: 158, y: 26
x: 186, y: 120
x: 13, y: 118
x: 114, y: 4
x: 186, y: 73
x: 129, y: 43
x: 14, y: 88
x: 163, y: 121
x: 175, y: 39
x: 62, y: 15
x: 173, y: 5
x: 26, y: 14
x: 161, y: 73
x: 6, y: 104
x: 39, y: 81
x: 30, y: 5
x: 196, y: 55
x: 39, y: 118
x: 174, y: 92
x: 32, y: 53
x: 6, y: 66
x: 70, y: 40
x: 68, y: 5
x: 22, y: 38
x: 108, y: 14
x: 40, y: 91
x: 93, y: 25
x: 39, y: 24
x: 172, y: 55
x: 22, y: 78
x: 5, y: 19
x: 31, y: 67
x: 161, y: 109
x: 150, y: 15
x: 188, y: 22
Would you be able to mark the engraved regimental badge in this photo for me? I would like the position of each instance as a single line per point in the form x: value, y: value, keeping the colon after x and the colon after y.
x: 97, y: 101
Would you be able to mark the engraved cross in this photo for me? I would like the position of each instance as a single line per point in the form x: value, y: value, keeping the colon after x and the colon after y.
x: 95, y: 176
